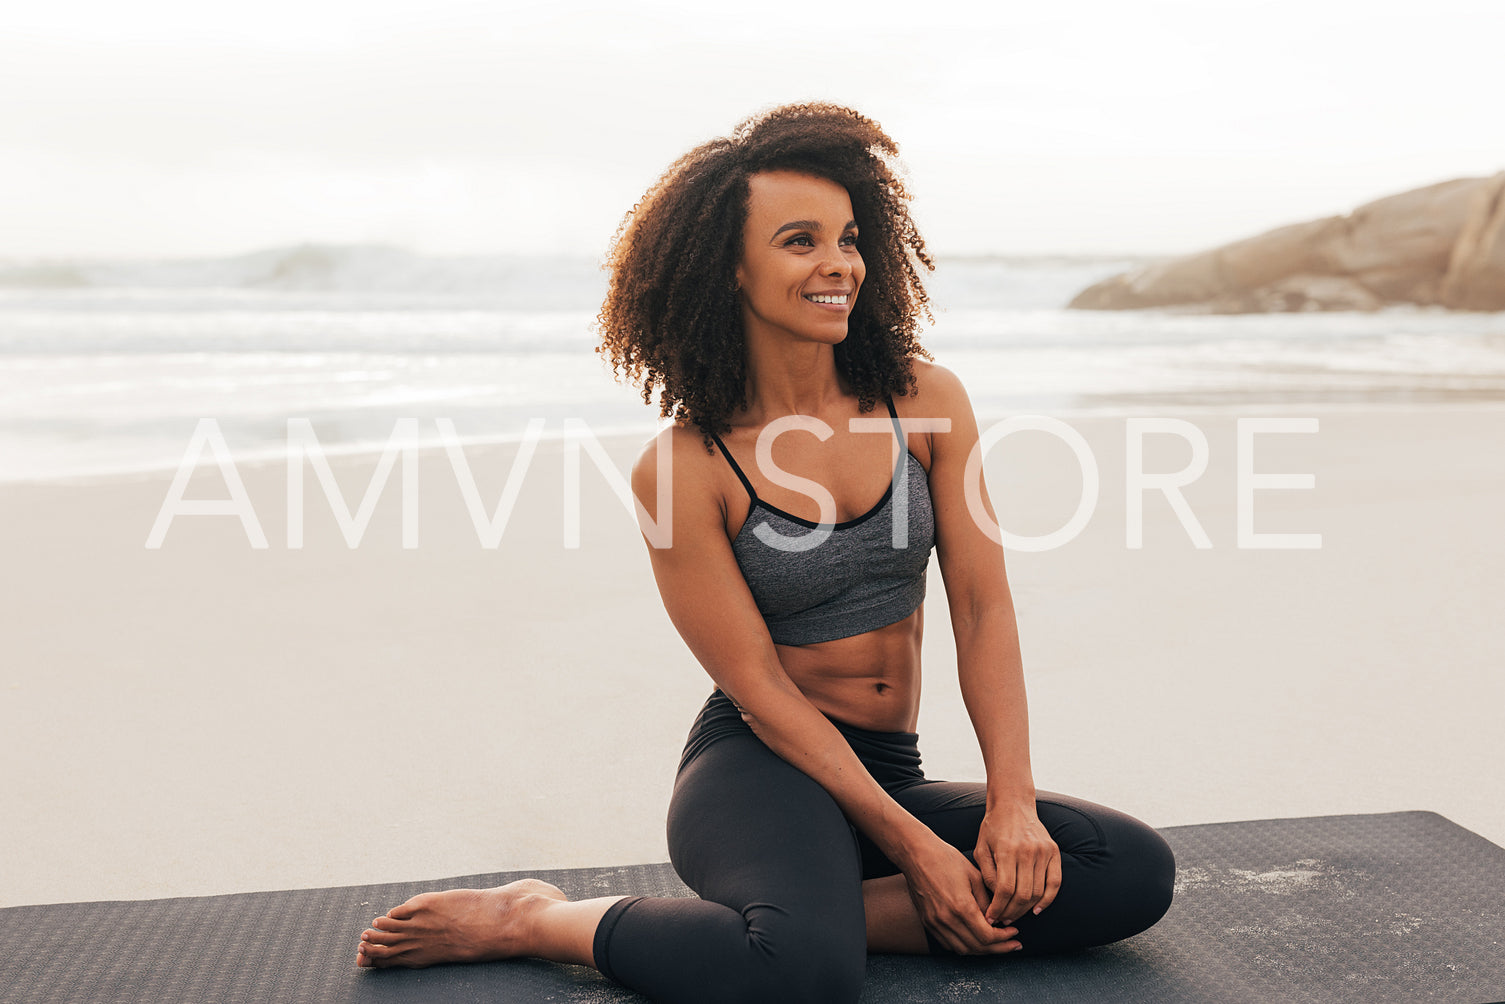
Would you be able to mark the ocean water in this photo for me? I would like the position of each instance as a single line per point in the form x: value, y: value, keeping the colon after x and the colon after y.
x: 110, y: 366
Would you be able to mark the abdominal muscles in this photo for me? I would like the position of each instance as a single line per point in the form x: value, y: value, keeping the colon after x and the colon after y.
x: 870, y: 680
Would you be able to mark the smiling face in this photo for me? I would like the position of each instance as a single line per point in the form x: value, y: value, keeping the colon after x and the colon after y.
x: 800, y: 268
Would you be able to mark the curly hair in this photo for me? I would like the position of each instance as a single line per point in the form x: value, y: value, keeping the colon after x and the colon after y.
x: 672, y: 319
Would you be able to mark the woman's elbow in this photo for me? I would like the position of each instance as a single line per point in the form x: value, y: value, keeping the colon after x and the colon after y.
x: 765, y: 706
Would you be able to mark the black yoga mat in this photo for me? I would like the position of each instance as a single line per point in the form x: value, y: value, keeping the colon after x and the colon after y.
x: 1402, y: 906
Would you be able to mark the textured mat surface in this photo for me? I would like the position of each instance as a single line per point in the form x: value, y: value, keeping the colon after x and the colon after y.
x: 1394, y: 907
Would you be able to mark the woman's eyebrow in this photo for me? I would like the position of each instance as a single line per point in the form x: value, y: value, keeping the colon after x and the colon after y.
x: 798, y: 225
x: 810, y: 225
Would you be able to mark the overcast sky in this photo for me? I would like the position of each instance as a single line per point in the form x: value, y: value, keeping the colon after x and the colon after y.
x: 159, y: 127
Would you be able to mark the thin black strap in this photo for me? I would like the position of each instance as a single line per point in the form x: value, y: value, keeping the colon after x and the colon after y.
x: 898, y: 429
x: 740, y: 476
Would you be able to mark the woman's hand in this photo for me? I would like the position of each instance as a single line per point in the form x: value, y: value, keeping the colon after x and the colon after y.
x: 1018, y: 861
x: 949, y: 895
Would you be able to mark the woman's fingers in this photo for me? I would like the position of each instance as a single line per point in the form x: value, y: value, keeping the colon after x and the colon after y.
x: 1020, y: 863
x: 980, y: 894
x: 1031, y: 887
x: 1003, y: 894
x: 961, y: 927
x: 1001, y: 884
x: 981, y: 935
x: 951, y: 895
x: 985, y: 938
x: 969, y: 935
x: 1024, y: 890
x: 1038, y: 877
x: 988, y: 873
x: 1052, y: 882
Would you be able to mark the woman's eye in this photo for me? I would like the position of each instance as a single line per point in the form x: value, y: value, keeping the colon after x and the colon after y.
x: 850, y: 239
x: 801, y: 239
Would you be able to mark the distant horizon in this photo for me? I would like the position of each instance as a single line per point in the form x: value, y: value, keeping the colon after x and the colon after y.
x: 84, y: 257
x: 8, y: 259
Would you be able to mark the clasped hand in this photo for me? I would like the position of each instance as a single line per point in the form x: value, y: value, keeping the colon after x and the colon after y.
x: 1019, y: 862
x: 971, y: 910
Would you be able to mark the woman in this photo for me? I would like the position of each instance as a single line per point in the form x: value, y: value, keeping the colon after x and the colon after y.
x: 767, y: 288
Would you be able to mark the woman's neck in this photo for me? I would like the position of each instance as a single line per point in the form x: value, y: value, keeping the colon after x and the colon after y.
x: 790, y: 378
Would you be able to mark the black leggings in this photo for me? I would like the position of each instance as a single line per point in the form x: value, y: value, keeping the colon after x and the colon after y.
x: 779, y: 872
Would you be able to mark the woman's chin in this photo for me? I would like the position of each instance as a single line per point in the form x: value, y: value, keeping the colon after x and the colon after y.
x: 828, y: 336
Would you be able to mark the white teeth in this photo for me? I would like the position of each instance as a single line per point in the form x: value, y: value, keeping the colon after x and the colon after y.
x: 828, y: 299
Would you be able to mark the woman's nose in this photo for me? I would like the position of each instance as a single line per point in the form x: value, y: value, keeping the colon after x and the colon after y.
x: 836, y: 265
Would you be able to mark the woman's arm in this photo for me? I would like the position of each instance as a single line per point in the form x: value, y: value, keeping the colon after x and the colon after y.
x: 1018, y: 860
x: 709, y: 603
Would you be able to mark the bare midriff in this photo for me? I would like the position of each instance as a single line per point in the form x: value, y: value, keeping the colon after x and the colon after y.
x: 869, y: 680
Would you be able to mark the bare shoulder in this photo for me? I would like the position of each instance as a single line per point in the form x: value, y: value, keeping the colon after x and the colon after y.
x: 939, y: 396
x: 683, y: 446
x: 938, y: 393
x: 678, y: 453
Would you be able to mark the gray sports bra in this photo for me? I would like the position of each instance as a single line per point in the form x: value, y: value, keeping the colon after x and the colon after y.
x: 816, y: 582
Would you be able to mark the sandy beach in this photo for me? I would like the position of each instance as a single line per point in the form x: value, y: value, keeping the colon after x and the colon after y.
x: 209, y: 717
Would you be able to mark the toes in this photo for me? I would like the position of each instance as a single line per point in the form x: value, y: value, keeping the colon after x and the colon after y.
x: 379, y: 937
x: 390, y: 958
x: 377, y: 955
x: 406, y: 910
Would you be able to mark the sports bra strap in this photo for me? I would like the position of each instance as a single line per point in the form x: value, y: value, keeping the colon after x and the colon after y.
x: 740, y: 476
x: 898, y: 431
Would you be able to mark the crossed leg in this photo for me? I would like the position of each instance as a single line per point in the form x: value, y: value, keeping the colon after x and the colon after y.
x: 781, y: 915
x: 1116, y: 872
x: 530, y: 918
x: 784, y: 909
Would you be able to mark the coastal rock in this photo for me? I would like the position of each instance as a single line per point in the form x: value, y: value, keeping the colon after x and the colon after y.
x: 1442, y: 245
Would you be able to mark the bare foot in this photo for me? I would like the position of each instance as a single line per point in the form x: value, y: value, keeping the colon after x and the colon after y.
x: 459, y: 925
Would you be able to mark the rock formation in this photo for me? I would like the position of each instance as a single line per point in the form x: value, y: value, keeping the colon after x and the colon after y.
x: 1442, y: 245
